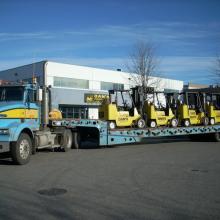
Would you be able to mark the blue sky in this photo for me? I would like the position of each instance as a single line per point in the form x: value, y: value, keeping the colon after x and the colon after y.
x: 96, y: 33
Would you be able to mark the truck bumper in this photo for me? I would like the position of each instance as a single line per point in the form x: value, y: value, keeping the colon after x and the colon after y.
x: 4, y: 146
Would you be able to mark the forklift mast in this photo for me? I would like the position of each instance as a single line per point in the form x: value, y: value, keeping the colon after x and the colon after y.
x: 139, y: 96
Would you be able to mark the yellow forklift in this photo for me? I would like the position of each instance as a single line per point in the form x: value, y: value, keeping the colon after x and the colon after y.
x: 119, y: 110
x: 212, y: 99
x: 191, y: 108
x: 155, y: 107
x: 159, y: 110
x: 213, y: 109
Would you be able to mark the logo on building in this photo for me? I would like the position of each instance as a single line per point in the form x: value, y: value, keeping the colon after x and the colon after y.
x: 95, y: 98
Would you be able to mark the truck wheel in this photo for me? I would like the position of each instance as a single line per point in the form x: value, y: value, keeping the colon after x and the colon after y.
x: 67, y: 140
x: 141, y: 123
x: 76, y: 140
x: 22, y: 149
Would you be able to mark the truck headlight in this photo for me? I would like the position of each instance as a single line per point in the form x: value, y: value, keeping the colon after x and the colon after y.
x: 4, y: 131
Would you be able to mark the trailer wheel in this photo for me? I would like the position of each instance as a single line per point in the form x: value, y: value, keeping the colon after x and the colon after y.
x: 205, y: 121
x: 67, y: 140
x: 212, y: 121
x: 22, y: 149
x: 76, y: 140
x: 141, y: 123
x: 174, y: 122
x: 186, y: 123
x: 217, y: 137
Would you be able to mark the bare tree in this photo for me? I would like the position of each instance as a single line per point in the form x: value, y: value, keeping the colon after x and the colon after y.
x: 143, y: 65
x: 143, y: 70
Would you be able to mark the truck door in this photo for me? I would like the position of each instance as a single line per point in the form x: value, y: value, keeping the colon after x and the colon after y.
x: 32, y: 114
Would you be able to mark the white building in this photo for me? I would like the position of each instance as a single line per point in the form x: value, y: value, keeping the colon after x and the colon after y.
x: 74, y: 87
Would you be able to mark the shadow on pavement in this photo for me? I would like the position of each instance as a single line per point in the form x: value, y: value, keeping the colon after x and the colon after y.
x: 5, y: 159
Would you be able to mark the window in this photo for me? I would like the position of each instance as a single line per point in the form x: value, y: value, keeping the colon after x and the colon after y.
x: 109, y: 86
x: 74, y: 111
x: 11, y: 93
x: 31, y: 95
x: 170, y: 90
x: 71, y: 83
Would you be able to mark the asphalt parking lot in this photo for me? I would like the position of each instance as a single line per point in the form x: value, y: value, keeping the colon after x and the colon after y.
x: 164, y: 179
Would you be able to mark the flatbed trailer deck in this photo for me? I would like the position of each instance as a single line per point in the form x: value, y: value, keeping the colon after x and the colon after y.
x: 99, y: 131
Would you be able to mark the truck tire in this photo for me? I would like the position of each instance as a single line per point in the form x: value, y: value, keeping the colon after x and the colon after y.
x: 76, y: 140
x: 67, y: 140
x: 22, y: 149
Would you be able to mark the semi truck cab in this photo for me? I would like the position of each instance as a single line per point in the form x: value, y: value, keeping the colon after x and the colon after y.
x: 24, y: 122
x: 18, y: 110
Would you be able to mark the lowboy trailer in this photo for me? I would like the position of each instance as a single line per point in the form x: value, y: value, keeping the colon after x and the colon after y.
x: 98, y: 131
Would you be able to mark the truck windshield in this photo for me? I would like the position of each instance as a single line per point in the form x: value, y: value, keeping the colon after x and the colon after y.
x: 11, y: 93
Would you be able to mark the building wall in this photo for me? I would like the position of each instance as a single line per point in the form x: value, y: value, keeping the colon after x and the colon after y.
x: 65, y: 78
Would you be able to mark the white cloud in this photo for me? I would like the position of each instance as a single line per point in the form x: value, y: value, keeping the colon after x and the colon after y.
x: 185, y: 63
x: 158, y: 31
x: 25, y: 36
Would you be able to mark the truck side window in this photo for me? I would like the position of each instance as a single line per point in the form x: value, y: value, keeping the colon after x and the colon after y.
x: 32, y: 94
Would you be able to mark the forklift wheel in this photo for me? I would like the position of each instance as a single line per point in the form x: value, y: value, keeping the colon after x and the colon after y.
x: 174, y: 122
x: 205, y: 121
x: 186, y: 123
x: 153, y: 124
x: 212, y: 121
x: 141, y: 123
x: 112, y: 125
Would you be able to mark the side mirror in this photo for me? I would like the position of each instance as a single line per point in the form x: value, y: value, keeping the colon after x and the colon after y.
x: 40, y: 95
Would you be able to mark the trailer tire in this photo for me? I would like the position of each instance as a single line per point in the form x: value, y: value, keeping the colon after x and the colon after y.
x: 217, y: 136
x: 67, y: 140
x: 21, y: 150
x: 76, y: 140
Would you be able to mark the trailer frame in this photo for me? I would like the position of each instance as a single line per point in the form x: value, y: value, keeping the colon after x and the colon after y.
x: 99, y: 130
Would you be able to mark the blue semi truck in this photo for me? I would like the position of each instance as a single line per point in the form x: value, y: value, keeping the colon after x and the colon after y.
x: 27, y: 123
